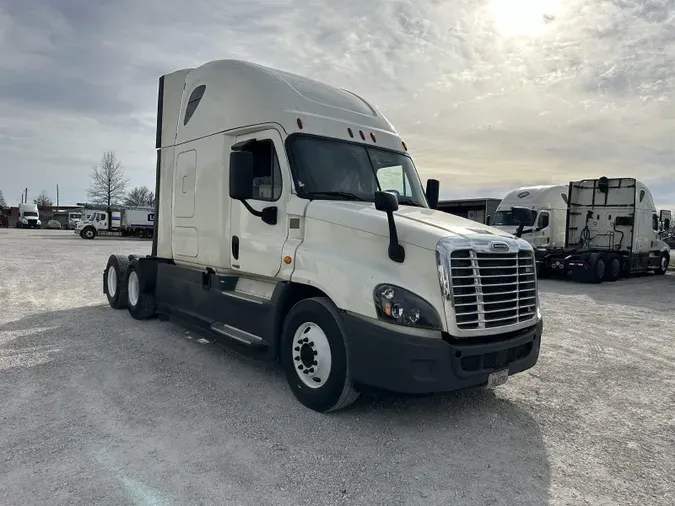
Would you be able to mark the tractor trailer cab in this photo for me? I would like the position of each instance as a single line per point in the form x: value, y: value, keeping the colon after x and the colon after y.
x: 542, y: 212
x: 292, y: 225
x: 29, y: 216
x: 612, y: 231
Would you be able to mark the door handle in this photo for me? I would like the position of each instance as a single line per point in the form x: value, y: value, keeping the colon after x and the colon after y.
x: 235, y: 247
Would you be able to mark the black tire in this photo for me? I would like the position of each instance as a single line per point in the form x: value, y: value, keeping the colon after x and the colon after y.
x: 664, y: 261
x: 338, y: 391
x: 598, y: 265
x: 117, y: 297
x: 88, y: 233
x: 142, y: 306
x: 613, y: 267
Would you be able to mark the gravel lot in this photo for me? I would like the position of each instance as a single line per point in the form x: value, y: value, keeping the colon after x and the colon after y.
x: 97, y: 408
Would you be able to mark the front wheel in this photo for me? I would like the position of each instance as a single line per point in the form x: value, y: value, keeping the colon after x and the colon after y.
x: 314, y: 356
x: 88, y: 233
x: 663, y: 264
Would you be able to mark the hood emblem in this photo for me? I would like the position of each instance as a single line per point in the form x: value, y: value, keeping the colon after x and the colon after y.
x: 499, y: 246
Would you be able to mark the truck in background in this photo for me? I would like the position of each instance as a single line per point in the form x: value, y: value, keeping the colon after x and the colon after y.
x: 544, y: 225
x: 29, y: 216
x: 612, y: 230
x: 292, y: 226
x: 136, y: 222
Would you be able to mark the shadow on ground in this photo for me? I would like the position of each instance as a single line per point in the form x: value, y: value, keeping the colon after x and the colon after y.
x: 99, y: 408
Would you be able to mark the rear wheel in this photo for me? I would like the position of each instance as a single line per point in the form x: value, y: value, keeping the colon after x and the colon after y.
x: 663, y: 264
x: 613, y: 268
x: 314, y: 356
x: 114, y: 277
x: 598, y: 267
x: 141, y: 305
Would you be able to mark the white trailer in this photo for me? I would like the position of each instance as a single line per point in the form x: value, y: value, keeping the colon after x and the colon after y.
x: 612, y: 230
x: 292, y: 226
x: 29, y: 216
x: 136, y: 222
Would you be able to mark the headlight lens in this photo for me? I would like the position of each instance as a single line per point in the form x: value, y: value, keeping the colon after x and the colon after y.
x: 397, y: 305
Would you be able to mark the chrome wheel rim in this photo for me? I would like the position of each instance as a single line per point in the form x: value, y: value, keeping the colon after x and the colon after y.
x: 112, y: 281
x: 133, y: 288
x: 312, y: 357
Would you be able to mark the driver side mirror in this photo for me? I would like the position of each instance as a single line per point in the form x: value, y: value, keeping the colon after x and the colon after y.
x: 488, y: 219
x: 241, y: 175
x: 432, y: 192
x: 666, y: 225
x: 386, y: 201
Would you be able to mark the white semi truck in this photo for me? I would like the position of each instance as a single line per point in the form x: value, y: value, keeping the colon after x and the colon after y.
x: 545, y: 225
x: 29, y: 216
x: 137, y: 222
x: 292, y: 225
x: 609, y: 228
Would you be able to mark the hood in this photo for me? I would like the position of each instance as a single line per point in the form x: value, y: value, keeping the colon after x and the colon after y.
x: 415, y: 225
x: 509, y: 229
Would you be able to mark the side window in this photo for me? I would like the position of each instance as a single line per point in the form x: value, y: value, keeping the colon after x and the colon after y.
x: 394, y: 178
x: 642, y: 195
x: 543, y: 220
x: 655, y: 222
x: 266, y: 171
x: 193, y: 102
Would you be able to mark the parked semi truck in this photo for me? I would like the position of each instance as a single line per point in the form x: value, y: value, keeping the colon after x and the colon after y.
x: 544, y: 224
x: 29, y: 216
x: 137, y: 222
x: 611, y: 230
x: 291, y: 225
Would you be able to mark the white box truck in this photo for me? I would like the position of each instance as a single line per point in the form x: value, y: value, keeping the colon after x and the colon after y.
x: 137, y: 222
x: 29, y: 216
x: 292, y: 225
x: 610, y: 227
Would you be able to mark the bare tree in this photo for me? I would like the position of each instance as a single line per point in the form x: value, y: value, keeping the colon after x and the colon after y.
x: 3, y: 202
x: 140, y: 196
x: 43, y: 200
x: 108, y: 183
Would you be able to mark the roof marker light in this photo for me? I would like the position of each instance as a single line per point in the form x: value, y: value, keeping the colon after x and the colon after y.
x: 351, y: 134
x: 372, y: 136
x: 405, y: 146
x: 363, y: 136
x: 299, y: 123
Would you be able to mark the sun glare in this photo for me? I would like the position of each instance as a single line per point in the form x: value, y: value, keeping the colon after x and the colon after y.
x: 524, y: 18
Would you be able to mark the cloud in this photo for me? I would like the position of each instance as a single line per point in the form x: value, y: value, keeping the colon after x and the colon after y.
x: 489, y: 95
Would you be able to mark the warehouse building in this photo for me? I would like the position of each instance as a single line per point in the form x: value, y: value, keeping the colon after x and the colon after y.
x: 473, y: 209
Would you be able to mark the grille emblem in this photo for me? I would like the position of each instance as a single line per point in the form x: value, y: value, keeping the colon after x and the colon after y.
x: 499, y: 246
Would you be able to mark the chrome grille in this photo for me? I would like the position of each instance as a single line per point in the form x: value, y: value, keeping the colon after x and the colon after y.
x: 492, y: 289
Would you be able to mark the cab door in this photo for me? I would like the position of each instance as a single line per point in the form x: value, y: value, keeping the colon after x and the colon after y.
x: 542, y: 231
x: 256, y: 247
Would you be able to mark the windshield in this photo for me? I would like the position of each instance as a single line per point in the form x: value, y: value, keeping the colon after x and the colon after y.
x: 30, y: 213
x: 506, y: 219
x: 335, y: 169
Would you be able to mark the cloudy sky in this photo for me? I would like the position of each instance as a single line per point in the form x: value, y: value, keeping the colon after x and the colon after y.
x: 489, y: 94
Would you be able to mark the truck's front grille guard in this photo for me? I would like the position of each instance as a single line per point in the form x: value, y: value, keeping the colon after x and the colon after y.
x: 489, y: 290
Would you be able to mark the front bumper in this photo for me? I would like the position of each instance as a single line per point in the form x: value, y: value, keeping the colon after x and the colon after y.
x: 398, y: 362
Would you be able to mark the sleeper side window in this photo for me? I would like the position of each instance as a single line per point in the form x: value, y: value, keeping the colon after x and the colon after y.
x: 266, y: 170
x: 193, y: 102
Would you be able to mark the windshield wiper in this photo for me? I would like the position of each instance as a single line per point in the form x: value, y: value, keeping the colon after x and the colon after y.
x: 346, y: 195
x: 409, y: 202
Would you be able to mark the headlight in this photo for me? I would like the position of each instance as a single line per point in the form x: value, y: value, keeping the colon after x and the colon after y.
x: 396, y: 305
